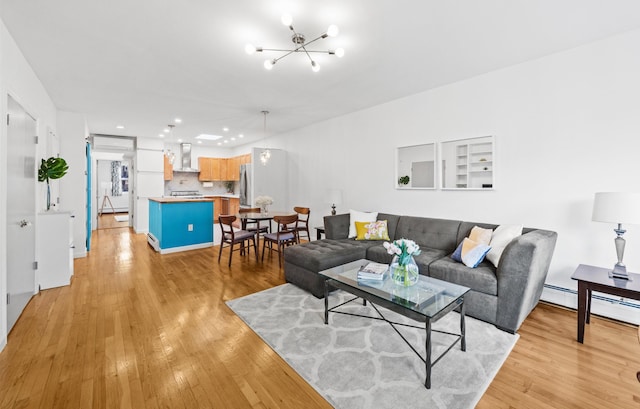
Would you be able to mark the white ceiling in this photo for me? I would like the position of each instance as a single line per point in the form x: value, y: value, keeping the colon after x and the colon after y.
x: 142, y: 63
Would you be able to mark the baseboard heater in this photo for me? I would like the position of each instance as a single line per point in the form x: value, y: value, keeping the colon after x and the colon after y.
x: 153, y: 241
x: 594, y: 296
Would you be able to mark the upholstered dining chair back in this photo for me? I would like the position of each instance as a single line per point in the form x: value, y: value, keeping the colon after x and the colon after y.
x: 231, y: 237
x: 286, y: 235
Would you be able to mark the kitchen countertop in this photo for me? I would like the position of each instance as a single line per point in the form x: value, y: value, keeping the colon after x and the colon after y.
x: 226, y: 195
x: 178, y: 199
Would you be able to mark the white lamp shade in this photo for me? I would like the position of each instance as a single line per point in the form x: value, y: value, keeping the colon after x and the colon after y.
x: 616, y: 207
x: 334, y: 196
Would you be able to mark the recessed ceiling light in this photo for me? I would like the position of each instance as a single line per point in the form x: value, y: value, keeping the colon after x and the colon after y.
x: 199, y: 141
x: 179, y: 140
x: 226, y: 141
x: 233, y: 138
x: 219, y: 143
x: 166, y: 130
x: 208, y: 137
x: 177, y: 120
x: 120, y: 126
x: 161, y: 135
x: 241, y: 136
x: 225, y: 129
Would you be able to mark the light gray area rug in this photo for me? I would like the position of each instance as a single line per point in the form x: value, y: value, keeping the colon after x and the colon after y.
x: 362, y: 363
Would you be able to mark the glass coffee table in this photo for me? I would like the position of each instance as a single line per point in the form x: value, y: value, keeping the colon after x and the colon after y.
x: 427, y: 301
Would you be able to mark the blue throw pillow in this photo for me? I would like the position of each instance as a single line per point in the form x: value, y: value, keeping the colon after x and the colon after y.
x: 470, y: 253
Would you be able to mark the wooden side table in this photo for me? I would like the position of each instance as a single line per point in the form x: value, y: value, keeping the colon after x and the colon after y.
x: 319, y: 232
x: 591, y: 279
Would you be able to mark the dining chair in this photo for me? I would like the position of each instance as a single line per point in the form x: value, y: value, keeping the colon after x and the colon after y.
x: 232, y: 237
x: 303, y: 221
x: 254, y: 225
x: 286, y: 235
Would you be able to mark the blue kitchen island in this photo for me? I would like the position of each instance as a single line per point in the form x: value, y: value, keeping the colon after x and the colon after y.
x: 177, y: 224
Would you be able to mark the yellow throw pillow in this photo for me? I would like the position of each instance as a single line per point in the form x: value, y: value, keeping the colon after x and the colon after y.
x: 480, y: 235
x: 372, y: 230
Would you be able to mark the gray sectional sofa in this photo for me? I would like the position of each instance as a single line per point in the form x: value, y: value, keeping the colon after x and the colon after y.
x: 503, y: 296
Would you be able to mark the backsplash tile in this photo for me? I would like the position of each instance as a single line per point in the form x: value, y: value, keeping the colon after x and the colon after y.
x: 189, y: 181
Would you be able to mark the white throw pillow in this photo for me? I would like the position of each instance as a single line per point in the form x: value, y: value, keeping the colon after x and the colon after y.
x: 356, y: 216
x: 502, y: 236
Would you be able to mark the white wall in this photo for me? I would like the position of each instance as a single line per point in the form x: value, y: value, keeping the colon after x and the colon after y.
x: 148, y: 180
x: 18, y: 80
x: 72, y: 132
x: 565, y: 126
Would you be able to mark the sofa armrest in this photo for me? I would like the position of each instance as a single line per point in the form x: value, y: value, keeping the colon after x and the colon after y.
x: 337, y: 227
x: 521, y: 274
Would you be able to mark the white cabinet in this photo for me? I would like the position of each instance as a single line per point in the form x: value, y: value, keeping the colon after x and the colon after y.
x: 55, y: 249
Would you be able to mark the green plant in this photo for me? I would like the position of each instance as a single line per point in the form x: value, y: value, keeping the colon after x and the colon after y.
x: 52, y: 168
x: 403, y: 180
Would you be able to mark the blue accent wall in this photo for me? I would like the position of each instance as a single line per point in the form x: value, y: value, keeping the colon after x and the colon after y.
x: 169, y: 223
x: 88, y: 243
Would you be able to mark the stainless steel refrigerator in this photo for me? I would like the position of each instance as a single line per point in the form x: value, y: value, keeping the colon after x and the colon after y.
x: 269, y: 179
x: 246, y: 198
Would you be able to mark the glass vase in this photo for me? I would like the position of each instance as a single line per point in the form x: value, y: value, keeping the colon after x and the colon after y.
x: 404, y: 271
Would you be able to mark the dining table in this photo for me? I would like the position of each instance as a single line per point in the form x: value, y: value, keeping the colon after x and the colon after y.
x: 261, y: 216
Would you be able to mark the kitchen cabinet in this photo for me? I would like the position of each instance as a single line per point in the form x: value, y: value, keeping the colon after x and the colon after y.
x: 168, y: 169
x: 234, y: 205
x: 211, y: 169
x: 217, y: 206
x: 55, y: 249
x: 204, y: 165
x: 219, y: 169
x: 233, y: 169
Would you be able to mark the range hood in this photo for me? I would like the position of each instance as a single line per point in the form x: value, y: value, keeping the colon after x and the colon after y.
x: 185, y: 159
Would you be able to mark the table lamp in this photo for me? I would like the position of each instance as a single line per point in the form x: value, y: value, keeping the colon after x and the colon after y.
x: 334, y: 196
x: 617, y: 208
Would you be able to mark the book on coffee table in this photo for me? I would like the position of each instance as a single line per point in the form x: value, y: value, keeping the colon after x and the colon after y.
x: 373, y: 271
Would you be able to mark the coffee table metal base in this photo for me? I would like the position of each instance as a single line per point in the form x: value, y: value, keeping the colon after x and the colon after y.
x: 458, y: 304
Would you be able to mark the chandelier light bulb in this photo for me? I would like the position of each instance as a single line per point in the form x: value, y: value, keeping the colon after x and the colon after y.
x: 339, y: 52
x: 250, y: 49
x: 268, y: 64
x: 315, y: 66
x: 286, y: 19
x: 332, y: 31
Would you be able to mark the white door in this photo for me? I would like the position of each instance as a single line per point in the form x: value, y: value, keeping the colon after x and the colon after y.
x: 21, y: 238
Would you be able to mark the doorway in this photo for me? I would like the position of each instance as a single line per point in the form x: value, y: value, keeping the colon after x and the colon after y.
x: 21, y: 214
x: 111, y: 184
x: 112, y: 193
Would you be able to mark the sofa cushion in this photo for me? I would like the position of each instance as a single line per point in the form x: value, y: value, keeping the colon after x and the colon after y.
x: 438, y: 234
x: 482, y: 278
x: 320, y: 255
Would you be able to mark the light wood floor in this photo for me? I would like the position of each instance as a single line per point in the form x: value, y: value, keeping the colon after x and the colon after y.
x: 108, y: 221
x: 141, y: 330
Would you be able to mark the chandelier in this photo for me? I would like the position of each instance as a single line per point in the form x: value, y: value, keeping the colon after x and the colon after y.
x: 300, y: 45
x: 265, y: 155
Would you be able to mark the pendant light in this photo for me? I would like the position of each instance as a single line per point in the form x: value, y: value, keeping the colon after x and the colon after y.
x: 265, y: 155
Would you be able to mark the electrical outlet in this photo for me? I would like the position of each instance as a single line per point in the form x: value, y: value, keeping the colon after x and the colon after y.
x: 190, y: 227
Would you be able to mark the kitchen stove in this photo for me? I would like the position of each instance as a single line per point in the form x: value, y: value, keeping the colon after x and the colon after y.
x: 186, y: 194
